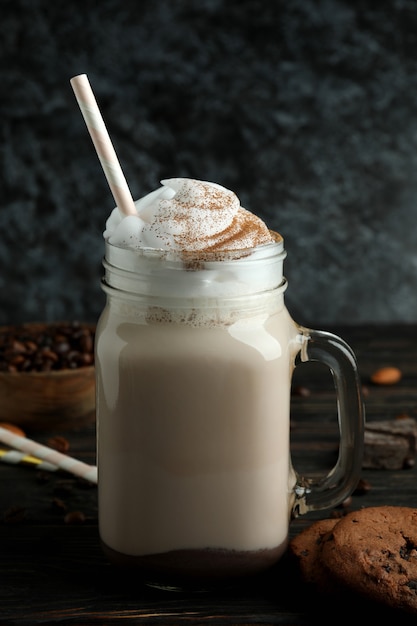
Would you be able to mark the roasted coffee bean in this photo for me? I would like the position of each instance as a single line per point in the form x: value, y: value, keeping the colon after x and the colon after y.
x: 46, y: 348
x: 62, y: 347
x: 18, y: 347
x: 15, y: 515
x: 74, y: 517
x: 86, y: 343
x: 59, y: 505
x: 304, y: 392
x: 59, y: 443
x: 46, y: 366
x: 87, y: 359
x: 362, y: 488
x: 17, y: 360
x: 49, y: 355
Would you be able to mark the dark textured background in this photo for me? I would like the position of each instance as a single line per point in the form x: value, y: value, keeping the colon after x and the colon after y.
x: 307, y: 109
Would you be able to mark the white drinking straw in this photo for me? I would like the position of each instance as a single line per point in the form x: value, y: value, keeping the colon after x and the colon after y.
x: 13, y: 457
x: 103, y: 145
x: 63, y: 461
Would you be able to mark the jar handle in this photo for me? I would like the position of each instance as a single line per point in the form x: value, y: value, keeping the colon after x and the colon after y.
x: 315, y: 494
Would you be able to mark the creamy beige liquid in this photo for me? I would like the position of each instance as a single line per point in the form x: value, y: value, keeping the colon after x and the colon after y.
x: 193, y: 434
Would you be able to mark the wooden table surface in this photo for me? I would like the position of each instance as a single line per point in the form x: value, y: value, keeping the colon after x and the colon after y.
x: 53, y: 572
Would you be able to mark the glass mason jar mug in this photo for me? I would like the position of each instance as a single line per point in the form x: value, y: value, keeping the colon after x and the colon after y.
x: 194, y: 363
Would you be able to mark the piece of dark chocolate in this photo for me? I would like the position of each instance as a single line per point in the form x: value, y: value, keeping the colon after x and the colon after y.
x: 390, y: 444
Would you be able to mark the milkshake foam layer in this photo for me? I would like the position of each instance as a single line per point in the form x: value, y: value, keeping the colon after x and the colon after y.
x: 187, y: 216
x: 196, y: 226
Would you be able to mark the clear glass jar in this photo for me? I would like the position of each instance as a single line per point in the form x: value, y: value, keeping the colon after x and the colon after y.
x: 194, y: 362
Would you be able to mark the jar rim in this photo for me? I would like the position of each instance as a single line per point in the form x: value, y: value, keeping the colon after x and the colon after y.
x: 129, y: 258
x: 148, y: 272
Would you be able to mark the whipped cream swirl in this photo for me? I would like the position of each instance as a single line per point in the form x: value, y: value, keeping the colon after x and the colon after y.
x: 188, y: 216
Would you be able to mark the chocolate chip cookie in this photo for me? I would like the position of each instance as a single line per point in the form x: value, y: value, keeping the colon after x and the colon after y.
x: 373, y: 551
x: 304, y: 550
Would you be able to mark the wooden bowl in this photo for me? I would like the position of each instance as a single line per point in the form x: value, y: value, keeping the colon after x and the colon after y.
x: 56, y: 394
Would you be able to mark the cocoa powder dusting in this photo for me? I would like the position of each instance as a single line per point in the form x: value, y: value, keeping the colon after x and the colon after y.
x: 227, y: 227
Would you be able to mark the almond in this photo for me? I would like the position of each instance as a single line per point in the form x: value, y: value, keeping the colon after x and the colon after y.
x: 13, y: 428
x: 386, y: 376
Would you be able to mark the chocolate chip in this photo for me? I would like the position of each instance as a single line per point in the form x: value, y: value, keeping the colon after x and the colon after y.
x: 407, y: 550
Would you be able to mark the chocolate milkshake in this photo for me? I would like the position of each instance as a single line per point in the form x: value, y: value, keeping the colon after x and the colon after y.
x: 194, y: 356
